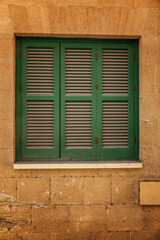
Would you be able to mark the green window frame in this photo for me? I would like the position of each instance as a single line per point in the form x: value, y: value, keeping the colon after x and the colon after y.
x: 100, y: 113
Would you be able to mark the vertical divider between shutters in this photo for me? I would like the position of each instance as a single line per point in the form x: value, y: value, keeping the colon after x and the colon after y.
x: 136, y: 99
x: 99, y: 101
x: 18, y: 100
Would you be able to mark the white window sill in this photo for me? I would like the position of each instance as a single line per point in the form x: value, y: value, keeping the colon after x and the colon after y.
x: 78, y: 165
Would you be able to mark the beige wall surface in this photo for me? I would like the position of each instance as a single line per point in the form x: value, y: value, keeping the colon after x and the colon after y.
x: 79, y: 204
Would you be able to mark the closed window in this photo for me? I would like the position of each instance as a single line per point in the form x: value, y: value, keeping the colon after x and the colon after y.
x: 76, y: 99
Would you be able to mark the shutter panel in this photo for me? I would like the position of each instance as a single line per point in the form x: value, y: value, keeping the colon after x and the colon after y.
x: 77, y: 101
x: 78, y: 72
x: 115, y: 124
x: 40, y: 125
x: 40, y: 81
x: 40, y: 71
x: 115, y: 72
x: 78, y: 125
x: 116, y: 102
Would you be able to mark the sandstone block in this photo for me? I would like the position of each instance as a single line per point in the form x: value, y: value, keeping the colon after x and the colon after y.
x: 77, y: 20
x: 143, y: 235
x: 89, y: 218
x: 7, y: 189
x: 74, y: 236
x: 39, y: 18
x: 66, y: 190
x: 19, y: 18
x: 149, y: 193
x: 124, y: 218
x: 149, y: 133
x: 58, y: 20
x: 5, y: 23
x: 96, y: 190
x: 149, y: 78
x: 151, y: 218
x: 14, y: 218
x: 33, y: 190
x: 50, y: 220
x: 6, y: 165
x: 124, y: 190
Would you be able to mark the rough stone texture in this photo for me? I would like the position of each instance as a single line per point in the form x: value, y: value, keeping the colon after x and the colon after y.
x: 124, y: 218
x: 30, y: 211
x: 66, y: 190
x: 33, y: 190
x: 50, y: 220
x: 145, y: 235
x: 152, y: 218
x: 124, y: 190
x: 93, y: 193
x: 88, y: 218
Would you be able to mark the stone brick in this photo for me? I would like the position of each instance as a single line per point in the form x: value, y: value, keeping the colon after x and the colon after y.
x: 33, y: 190
x: 118, y: 236
x: 96, y: 190
x: 149, y: 101
x: 89, y: 218
x: 135, y: 16
x: 6, y: 165
x: 39, y: 19
x: 152, y: 218
x: 5, y: 22
x: 37, y: 236
x: 149, y: 78
x: 124, y: 218
x: 7, y: 188
x: 124, y: 190
x: 7, y: 51
x: 50, y: 220
x: 14, y: 218
x: 19, y: 17
x: 66, y: 190
x: 7, y: 134
x: 143, y: 235
x: 74, y: 236
x: 56, y: 14
x: 77, y: 3
x: 149, y: 133
x: 149, y: 50
x: 77, y: 20
x: 151, y: 22
x: 147, y: 3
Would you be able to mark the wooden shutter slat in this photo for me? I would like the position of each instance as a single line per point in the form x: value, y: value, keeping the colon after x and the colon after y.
x: 78, y: 72
x: 40, y: 125
x: 40, y: 67
x: 115, y: 66
x: 79, y: 123
x: 115, y: 124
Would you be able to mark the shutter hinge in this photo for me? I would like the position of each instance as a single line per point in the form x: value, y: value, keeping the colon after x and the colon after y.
x: 20, y: 54
x: 134, y: 56
x: 134, y: 87
x: 96, y: 56
x: 20, y: 140
x: 20, y: 86
x: 134, y: 139
x: 96, y: 140
x: 96, y: 85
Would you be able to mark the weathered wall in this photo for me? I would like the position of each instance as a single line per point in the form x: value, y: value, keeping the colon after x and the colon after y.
x: 80, y: 204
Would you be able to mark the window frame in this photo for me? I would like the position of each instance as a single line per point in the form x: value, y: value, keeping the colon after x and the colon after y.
x: 134, y: 44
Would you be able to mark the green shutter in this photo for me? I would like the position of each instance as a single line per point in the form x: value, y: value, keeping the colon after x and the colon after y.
x: 116, y: 102
x: 78, y: 101
x: 39, y: 100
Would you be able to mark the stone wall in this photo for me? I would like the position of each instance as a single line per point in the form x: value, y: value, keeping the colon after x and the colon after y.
x: 80, y: 204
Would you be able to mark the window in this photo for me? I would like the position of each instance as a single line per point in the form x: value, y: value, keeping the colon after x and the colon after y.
x: 76, y: 99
